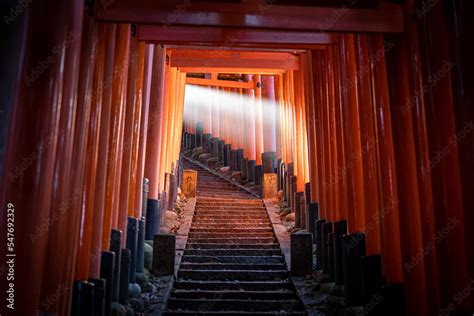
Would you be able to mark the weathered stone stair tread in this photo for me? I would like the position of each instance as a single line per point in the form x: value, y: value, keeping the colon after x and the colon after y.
x: 232, y: 259
x: 234, y: 230
x: 233, y: 252
x: 230, y: 234
x: 191, y: 245
x: 234, y: 304
x: 235, y: 266
x: 233, y: 240
x: 241, y: 295
x: 227, y: 313
x: 235, y: 275
x: 231, y: 285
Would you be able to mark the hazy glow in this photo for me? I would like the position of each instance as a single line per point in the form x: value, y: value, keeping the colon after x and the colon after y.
x: 235, y: 110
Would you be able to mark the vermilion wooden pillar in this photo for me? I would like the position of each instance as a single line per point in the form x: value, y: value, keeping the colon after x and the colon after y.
x: 250, y: 151
x: 148, y: 68
x: 258, y: 120
x: 268, y: 98
x: 33, y: 129
x: 389, y: 200
x: 353, y: 150
x: 215, y: 112
x: 130, y: 110
x: 138, y: 100
x: 103, y: 97
x: 118, y: 99
x: 444, y: 142
x: 93, y: 53
x: 278, y: 108
x: 155, y: 121
x: 368, y: 142
x: 407, y: 178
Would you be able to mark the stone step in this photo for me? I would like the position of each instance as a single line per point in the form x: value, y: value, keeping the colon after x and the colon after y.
x: 233, y: 252
x: 232, y: 266
x: 283, y: 285
x: 191, y: 245
x: 235, y: 305
x: 205, y: 234
x: 227, y: 313
x: 240, y: 295
x: 240, y: 221
x: 187, y: 257
x: 230, y: 225
x: 233, y: 230
x: 233, y: 240
x: 240, y: 275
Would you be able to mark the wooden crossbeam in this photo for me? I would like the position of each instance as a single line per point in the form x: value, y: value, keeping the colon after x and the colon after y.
x: 250, y: 71
x: 220, y: 83
x: 233, y: 59
x: 388, y: 18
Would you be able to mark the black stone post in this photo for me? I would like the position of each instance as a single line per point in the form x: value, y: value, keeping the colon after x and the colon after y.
x: 141, y: 247
x: 124, y: 276
x: 326, y: 230
x: 214, y: 147
x: 206, y: 143
x: 151, y: 214
x: 164, y: 247
x: 279, y: 175
x: 244, y: 169
x: 319, y: 243
x: 251, y: 170
x: 340, y: 229
x: 99, y: 296
x: 82, y: 298
x: 192, y: 141
x: 116, y: 247
x: 301, y: 254
x: 297, y: 208
x: 371, y: 276
x: 290, y: 172
x: 313, y: 215
x: 132, y: 242
x: 293, y: 181
x: 239, y: 156
x: 199, y: 132
x: 107, y: 268
x: 233, y: 160
x: 258, y: 174
x: 269, y: 162
x: 220, y: 151
x: 307, y: 195
x: 354, y: 250
x: 302, y: 211
x: 227, y: 149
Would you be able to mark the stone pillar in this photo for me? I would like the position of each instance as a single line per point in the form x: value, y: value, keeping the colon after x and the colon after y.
x: 326, y: 230
x: 124, y: 276
x: 206, y: 143
x: 258, y: 173
x: 199, y: 132
x: 107, y: 268
x: 140, y: 247
x: 116, y: 247
x: 100, y: 286
x: 279, y: 173
x: 244, y: 169
x: 269, y: 161
x: 151, y: 215
x: 371, y: 276
x: 312, y: 215
x: 132, y: 241
x: 319, y: 243
x: 302, y: 211
x: 296, y: 207
x: 226, y: 153
x: 292, y: 183
x: 220, y: 151
x: 251, y: 170
x: 164, y: 247
x: 340, y: 229
x: 239, y: 156
x: 354, y: 250
x: 301, y: 254
x: 82, y: 298
x: 214, y: 147
x: 233, y: 160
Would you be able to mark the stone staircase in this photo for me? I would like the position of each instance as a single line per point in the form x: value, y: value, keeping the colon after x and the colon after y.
x: 232, y: 264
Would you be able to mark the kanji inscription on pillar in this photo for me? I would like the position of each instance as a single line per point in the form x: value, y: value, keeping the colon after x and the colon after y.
x: 270, y: 188
x: 188, y: 186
